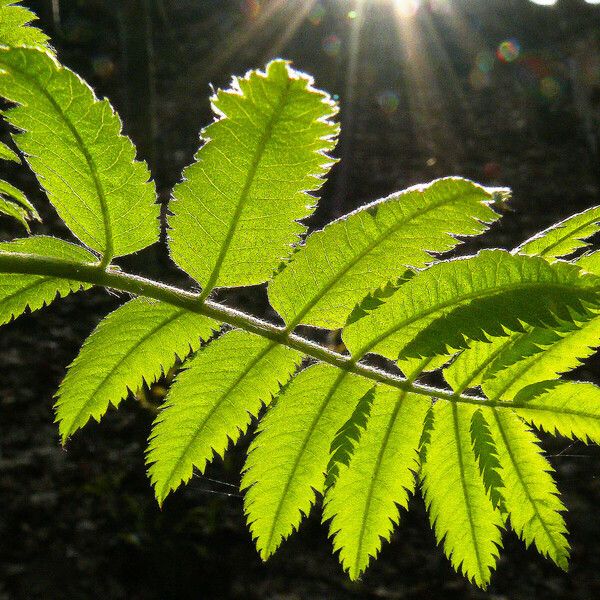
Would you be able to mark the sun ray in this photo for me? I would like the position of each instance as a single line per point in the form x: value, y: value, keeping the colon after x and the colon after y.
x: 242, y: 36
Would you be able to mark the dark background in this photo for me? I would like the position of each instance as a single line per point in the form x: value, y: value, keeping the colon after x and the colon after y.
x: 422, y: 99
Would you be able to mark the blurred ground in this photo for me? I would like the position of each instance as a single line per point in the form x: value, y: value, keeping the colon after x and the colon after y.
x: 509, y: 93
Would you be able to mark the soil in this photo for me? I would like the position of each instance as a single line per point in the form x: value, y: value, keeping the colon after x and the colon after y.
x: 430, y: 98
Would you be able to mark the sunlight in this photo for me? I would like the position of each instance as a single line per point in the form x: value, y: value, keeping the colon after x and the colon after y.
x: 407, y: 8
x: 404, y: 8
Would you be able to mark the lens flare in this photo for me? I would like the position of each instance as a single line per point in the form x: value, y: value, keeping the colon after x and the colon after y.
x: 407, y: 8
x: 332, y: 45
x: 508, y: 51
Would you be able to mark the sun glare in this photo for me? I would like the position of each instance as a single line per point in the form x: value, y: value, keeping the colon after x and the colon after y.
x: 407, y: 8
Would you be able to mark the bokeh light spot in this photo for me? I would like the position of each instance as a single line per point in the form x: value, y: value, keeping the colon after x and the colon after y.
x: 316, y: 14
x: 508, y: 51
x: 388, y: 102
x: 332, y: 45
x: 550, y: 88
x: 103, y: 66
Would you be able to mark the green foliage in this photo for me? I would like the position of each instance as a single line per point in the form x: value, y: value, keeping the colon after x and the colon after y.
x: 507, y: 322
x: 571, y: 409
x: 212, y: 402
x: 248, y: 187
x: 348, y: 437
x: 363, y: 502
x: 72, y: 142
x: 135, y: 343
x: 565, y: 237
x: 452, y: 302
x: 374, y: 245
x: 14, y: 203
x: 530, y: 494
x: 7, y: 154
x: 460, y: 510
x: 298, y: 430
x: 487, y: 456
x: 15, y: 29
x: 541, y: 355
x: 21, y: 291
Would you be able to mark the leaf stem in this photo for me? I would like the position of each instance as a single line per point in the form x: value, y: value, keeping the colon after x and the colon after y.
x: 114, y: 278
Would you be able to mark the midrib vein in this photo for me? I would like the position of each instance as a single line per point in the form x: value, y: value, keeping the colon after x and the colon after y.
x: 375, y: 477
x: 310, y: 431
x: 487, y: 293
x: 85, y: 408
x: 184, y: 455
x: 461, y: 469
x: 326, y: 288
x: 108, y: 251
x: 256, y: 159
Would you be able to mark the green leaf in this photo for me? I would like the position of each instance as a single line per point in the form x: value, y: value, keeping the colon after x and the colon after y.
x: 374, y: 245
x: 460, y: 510
x: 590, y: 262
x: 487, y: 457
x: 571, y: 409
x: 14, y: 203
x: 348, y: 437
x: 14, y: 26
x: 236, y: 211
x: 530, y: 494
x: 363, y: 503
x: 19, y: 292
x: 565, y: 237
x: 73, y: 143
x: 288, y: 459
x: 212, y: 402
x: 540, y: 355
x: 135, y: 343
x: 478, y: 362
x: 471, y: 367
x: 6, y: 153
x: 452, y: 302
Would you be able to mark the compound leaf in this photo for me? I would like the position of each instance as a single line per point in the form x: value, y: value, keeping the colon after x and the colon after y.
x: 212, y: 402
x: 570, y: 408
x: 73, y: 143
x: 355, y: 255
x: 363, y: 502
x: 135, y: 343
x: 236, y: 211
x: 451, y: 303
x: 530, y: 494
x: 460, y: 510
x: 19, y: 292
x: 288, y: 459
